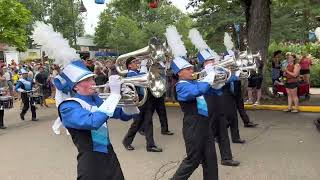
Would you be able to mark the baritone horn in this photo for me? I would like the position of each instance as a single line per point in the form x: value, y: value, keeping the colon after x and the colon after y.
x: 129, y: 94
x: 222, y: 75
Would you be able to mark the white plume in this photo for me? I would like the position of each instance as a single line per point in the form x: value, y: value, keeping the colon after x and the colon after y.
x: 197, y: 40
x: 174, y: 41
x: 199, y: 43
x: 53, y: 43
x: 228, y: 41
x: 317, y: 33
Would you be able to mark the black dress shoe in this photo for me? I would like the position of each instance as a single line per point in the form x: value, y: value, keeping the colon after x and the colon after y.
x: 169, y: 133
x: 128, y: 146
x: 154, y: 149
x: 142, y: 133
x: 239, y: 141
x: 34, y: 119
x: 230, y: 162
x: 22, y: 117
x: 250, y: 125
x: 3, y: 127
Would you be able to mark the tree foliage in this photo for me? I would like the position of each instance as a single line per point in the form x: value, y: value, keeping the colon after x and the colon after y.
x: 128, y: 25
x: 14, y: 18
x: 64, y: 15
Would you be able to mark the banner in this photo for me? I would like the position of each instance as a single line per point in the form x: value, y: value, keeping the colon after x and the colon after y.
x: 11, y: 55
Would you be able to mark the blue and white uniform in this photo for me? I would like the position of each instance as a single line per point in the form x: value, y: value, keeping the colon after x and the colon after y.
x: 22, y: 86
x: 199, y: 144
x: 89, y: 131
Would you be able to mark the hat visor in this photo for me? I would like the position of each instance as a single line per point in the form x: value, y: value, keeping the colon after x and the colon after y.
x: 86, y: 76
x: 186, y: 66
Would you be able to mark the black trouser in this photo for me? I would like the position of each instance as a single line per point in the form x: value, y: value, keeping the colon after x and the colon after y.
x: 230, y: 111
x: 240, y: 107
x: 200, y: 149
x: 26, y: 103
x: 239, y: 102
x: 162, y: 113
x: 1, y: 117
x: 219, y: 125
x: 99, y: 166
x: 144, y: 119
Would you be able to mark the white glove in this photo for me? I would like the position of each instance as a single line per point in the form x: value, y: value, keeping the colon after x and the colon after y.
x: 208, y: 68
x: 130, y: 110
x: 110, y: 104
x: 162, y: 64
x: 143, y: 66
x: 209, y: 78
x: 237, y: 73
x: 227, y: 57
x: 115, y: 84
x: 218, y: 86
x: 231, y: 53
x: 144, y: 62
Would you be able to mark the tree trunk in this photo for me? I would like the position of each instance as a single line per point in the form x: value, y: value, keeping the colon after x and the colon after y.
x: 258, y: 26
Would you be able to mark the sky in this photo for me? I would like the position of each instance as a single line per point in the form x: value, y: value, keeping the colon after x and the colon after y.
x: 93, y: 11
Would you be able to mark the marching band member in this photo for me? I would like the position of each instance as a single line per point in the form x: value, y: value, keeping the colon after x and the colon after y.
x: 200, y: 146
x: 86, y: 114
x: 229, y: 102
x: 230, y: 109
x: 24, y: 85
x: 144, y: 119
x: 214, y: 99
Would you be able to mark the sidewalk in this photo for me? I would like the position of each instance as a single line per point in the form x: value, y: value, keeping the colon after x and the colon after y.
x: 306, y: 105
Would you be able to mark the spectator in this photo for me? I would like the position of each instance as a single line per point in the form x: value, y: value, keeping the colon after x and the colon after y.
x: 8, y: 75
x: 255, y: 82
x: 291, y: 73
x: 100, y: 78
x: 90, y: 65
x: 42, y: 80
x: 276, y: 68
x: 305, y: 64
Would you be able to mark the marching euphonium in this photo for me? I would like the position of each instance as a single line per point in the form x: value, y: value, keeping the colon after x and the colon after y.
x: 222, y: 75
x: 155, y: 53
x: 129, y: 94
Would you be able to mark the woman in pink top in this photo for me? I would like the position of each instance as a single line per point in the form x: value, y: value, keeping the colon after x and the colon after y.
x: 305, y: 64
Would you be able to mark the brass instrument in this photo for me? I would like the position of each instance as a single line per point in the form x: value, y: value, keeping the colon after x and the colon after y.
x: 232, y: 64
x: 248, y: 63
x: 156, y: 52
x: 130, y: 97
x: 222, y: 75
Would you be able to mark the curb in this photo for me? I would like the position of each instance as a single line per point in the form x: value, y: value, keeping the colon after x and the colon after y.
x: 266, y: 107
x: 249, y: 107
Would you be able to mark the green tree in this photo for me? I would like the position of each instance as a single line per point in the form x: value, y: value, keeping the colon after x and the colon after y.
x: 14, y: 18
x: 145, y: 23
x: 64, y: 15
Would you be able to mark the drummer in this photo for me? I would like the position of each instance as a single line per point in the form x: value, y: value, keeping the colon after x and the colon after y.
x: 24, y: 85
x: 2, y: 84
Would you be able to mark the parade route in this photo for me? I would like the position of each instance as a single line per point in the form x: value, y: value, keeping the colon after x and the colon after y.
x: 284, y: 147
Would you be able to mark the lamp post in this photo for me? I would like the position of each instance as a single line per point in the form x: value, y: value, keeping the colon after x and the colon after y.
x: 82, y: 9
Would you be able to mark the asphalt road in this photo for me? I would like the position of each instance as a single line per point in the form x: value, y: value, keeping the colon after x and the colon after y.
x: 283, y: 147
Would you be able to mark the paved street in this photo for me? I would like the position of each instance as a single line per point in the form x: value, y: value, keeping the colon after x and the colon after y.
x: 283, y: 147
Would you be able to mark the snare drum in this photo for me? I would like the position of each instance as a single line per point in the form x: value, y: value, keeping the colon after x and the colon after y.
x: 6, y: 102
x: 36, y: 99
